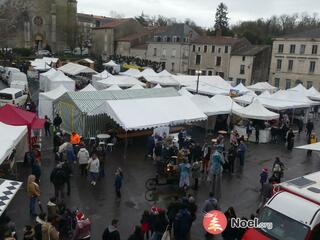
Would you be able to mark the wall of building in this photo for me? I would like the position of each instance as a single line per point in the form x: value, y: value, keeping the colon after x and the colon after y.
x: 174, y: 55
x: 123, y: 48
x: 235, y: 64
x: 261, y: 64
x: 103, y: 42
x: 138, y: 53
x: 209, y: 59
x: 301, y: 63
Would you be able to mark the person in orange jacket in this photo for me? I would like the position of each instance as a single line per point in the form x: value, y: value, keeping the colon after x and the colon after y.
x: 74, y: 138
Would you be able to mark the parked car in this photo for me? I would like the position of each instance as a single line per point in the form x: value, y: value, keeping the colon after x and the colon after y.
x: 8, y: 71
x: 43, y: 53
x: 12, y: 96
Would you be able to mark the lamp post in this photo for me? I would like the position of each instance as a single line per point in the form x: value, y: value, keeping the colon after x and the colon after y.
x: 198, y: 72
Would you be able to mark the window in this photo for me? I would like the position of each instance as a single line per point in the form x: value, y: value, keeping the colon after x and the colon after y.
x: 302, y: 48
x: 164, y: 52
x: 172, y: 67
x: 226, y: 49
x: 199, y: 49
x: 290, y: 65
x: 292, y: 48
x: 173, y: 53
x: 299, y: 82
x: 242, y: 69
x: 213, y: 49
x: 280, y: 48
x: 18, y: 94
x: 312, y: 66
x: 230, y: 79
x: 314, y: 49
x: 205, y: 48
x: 204, y: 73
x: 168, y: 39
x: 243, y: 58
x: 210, y: 73
x: 221, y: 74
x: 165, y: 38
x: 154, y: 52
x: 193, y: 48
x: 158, y: 39
x: 288, y: 83
x: 279, y: 63
x: 218, y: 61
x: 198, y: 59
x: 219, y: 50
x: 240, y: 80
x: 277, y: 82
x: 309, y: 84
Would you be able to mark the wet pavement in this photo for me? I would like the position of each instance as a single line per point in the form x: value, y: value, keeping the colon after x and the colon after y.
x: 240, y: 190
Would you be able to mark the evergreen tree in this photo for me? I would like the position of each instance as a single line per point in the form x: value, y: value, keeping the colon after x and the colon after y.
x: 221, y: 19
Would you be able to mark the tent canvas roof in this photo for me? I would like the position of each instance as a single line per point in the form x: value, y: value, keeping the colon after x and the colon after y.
x: 184, y: 92
x: 59, y: 76
x: 208, y: 89
x: 136, y: 87
x: 164, y: 73
x: 132, y: 72
x: 51, y: 71
x: 256, y: 111
x: 262, y: 86
x: 75, y: 69
x: 162, y: 80
x: 102, y: 75
x: 313, y: 147
x: 152, y: 112
x: 55, y: 93
x: 88, y: 88
x: 111, y: 63
x: 224, y: 104
x: 157, y: 86
x: 241, y: 88
x: 148, y: 72
x: 121, y: 81
x: 313, y: 94
x: 296, y: 97
x: 5, y: 185
x: 112, y: 87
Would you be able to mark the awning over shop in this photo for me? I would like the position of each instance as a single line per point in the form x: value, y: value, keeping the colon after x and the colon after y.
x: 255, y: 111
x: 138, y: 114
x: 8, y: 189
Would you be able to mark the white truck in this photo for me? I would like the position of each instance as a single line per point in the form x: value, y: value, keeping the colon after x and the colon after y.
x: 8, y: 72
x: 12, y: 96
x: 294, y: 211
x: 18, y: 80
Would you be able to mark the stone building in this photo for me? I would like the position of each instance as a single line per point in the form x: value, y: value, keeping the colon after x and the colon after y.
x: 105, y: 37
x: 211, y: 54
x: 296, y: 59
x: 250, y: 64
x: 38, y: 23
x: 172, y: 47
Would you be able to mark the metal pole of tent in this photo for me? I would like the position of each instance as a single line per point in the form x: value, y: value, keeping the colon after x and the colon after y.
x: 292, y: 116
x: 125, y: 146
x: 207, y: 125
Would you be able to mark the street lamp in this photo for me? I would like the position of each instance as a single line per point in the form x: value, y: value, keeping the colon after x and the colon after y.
x: 198, y: 72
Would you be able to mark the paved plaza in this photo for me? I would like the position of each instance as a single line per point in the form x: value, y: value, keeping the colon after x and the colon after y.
x: 240, y: 190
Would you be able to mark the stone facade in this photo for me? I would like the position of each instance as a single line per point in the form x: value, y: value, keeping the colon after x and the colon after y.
x: 172, y: 47
x: 296, y: 59
x: 250, y: 64
x: 37, y: 23
x: 105, y: 37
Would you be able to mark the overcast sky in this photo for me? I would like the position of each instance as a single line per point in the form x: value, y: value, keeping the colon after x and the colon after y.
x: 201, y: 11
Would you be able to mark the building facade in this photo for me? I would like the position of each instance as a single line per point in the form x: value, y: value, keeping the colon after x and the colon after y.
x: 211, y: 54
x: 250, y: 64
x: 172, y: 47
x: 38, y: 24
x: 105, y: 37
x: 295, y: 59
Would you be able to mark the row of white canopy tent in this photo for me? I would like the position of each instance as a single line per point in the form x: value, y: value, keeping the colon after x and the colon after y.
x: 52, y: 79
x: 43, y: 64
x: 120, y: 81
x: 74, y: 69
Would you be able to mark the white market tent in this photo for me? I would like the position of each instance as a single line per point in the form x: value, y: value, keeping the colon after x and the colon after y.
x: 136, y: 87
x: 157, y: 86
x: 256, y: 111
x: 313, y: 147
x: 97, y: 77
x: 296, y: 97
x: 149, y: 72
x: 261, y: 87
x: 74, y: 69
x: 152, y: 112
x: 241, y: 89
x: 10, y: 138
x: 8, y: 189
x: 265, y: 94
x: 164, y: 73
x: 40, y: 64
x: 121, y: 81
x: 184, y: 92
x: 204, y: 104
x: 224, y: 104
x: 300, y: 88
x: 207, y: 89
x: 132, y: 72
x: 215, y: 81
x: 46, y: 100
x: 44, y: 77
x: 113, y: 87
x: 246, y: 98
x: 313, y: 94
x: 88, y: 88
x: 162, y: 80
x: 59, y: 79
x: 113, y: 65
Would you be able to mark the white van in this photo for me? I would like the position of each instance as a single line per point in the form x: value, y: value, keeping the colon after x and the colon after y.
x: 8, y: 71
x: 18, y: 80
x: 294, y: 211
x: 12, y: 96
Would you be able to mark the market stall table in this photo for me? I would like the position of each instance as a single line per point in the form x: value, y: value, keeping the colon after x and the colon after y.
x: 264, y: 134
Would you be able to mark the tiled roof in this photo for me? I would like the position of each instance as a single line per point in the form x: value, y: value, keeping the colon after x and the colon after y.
x: 313, y: 33
x: 218, y: 40
x: 147, y: 31
x: 249, y: 50
x: 114, y: 23
x: 179, y: 29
